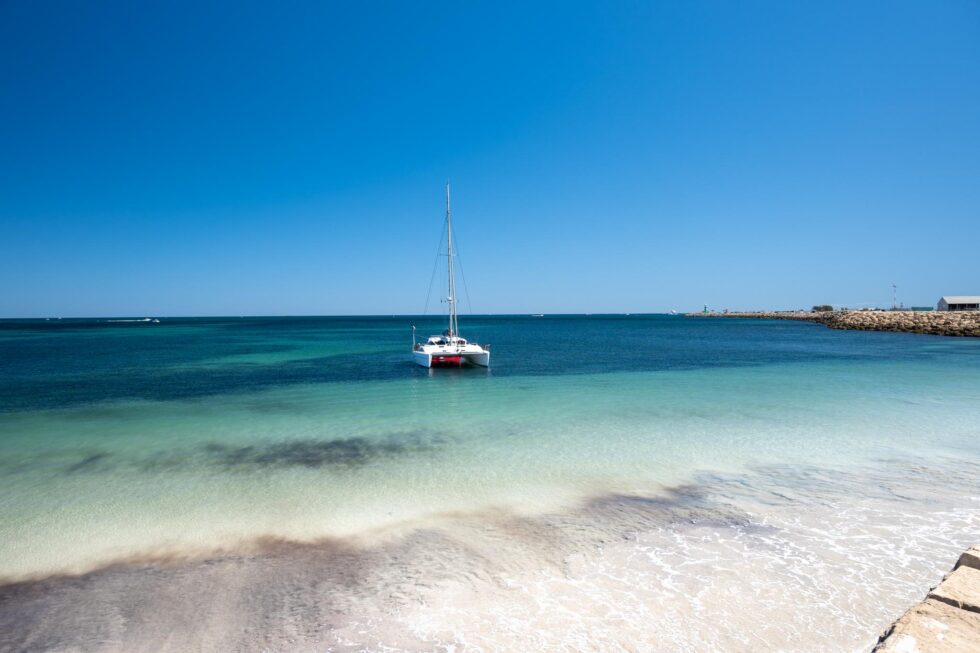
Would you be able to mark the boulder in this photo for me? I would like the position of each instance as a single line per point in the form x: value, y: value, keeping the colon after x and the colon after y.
x: 932, y: 627
x: 970, y: 558
x: 960, y: 589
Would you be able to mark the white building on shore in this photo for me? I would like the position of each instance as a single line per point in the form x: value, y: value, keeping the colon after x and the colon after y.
x: 958, y: 303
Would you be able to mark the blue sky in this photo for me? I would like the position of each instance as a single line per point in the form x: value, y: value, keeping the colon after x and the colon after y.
x: 289, y: 158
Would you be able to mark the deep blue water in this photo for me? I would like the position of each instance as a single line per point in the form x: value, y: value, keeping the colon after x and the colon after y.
x: 59, y: 363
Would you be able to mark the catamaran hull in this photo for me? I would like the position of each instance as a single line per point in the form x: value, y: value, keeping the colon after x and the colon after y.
x: 451, y: 360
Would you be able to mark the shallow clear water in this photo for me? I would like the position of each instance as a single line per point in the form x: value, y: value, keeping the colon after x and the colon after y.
x: 815, y: 458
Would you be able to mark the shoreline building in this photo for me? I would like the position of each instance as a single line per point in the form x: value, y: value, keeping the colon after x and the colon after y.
x: 958, y: 303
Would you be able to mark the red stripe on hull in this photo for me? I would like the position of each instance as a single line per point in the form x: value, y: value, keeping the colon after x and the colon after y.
x: 447, y: 361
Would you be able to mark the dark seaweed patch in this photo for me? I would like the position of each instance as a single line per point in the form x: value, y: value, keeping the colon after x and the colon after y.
x: 87, y: 463
x: 346, y: 452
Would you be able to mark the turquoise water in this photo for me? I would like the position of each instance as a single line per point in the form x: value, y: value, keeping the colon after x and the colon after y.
x: 187, y: 437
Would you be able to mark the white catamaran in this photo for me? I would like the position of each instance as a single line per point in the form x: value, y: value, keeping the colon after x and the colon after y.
x: 450, y: 349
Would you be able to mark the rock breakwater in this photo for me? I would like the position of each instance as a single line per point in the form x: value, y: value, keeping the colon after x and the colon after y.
x: 947, y: 620
x: 940, y: 323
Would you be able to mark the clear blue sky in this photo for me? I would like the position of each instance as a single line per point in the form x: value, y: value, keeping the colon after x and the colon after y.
x: 289, y: 158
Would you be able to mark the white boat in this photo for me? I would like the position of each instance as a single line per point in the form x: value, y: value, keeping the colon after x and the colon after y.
x: 450, y: 349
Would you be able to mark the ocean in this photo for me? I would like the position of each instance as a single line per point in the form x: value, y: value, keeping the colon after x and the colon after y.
x: 612, y: 482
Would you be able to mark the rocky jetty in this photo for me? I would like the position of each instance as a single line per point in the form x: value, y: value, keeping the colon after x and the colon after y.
x: 947, y: 620
x: 940, y: 323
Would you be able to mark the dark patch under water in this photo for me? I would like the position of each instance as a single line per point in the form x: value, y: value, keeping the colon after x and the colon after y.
x: 310, y: 453
x: 87, y: 463
x: 347, y: 452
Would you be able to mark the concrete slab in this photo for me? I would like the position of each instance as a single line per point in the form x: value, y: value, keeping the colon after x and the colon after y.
x: 960, y: 589
x: 933, y: 627
x: 970, y: 558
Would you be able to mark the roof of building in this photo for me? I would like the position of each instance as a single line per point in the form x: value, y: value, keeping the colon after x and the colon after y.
x: 961, y: 299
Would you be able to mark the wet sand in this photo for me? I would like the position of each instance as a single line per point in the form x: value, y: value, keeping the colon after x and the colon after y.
x: 783, y: 558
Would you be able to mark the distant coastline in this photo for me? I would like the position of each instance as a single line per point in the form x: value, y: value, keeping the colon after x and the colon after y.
x: 939, y: 323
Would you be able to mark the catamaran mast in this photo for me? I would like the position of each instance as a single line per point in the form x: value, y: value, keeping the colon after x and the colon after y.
x: 453, y: 321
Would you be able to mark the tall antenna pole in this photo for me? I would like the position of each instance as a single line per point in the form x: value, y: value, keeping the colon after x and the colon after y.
x: 453, y: 327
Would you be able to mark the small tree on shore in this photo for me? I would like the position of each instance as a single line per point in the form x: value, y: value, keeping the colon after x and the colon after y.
x: 822, y: 308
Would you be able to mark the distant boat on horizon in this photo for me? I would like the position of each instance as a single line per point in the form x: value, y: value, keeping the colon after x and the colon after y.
x: 145, y: 319
x: 450, y: 349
